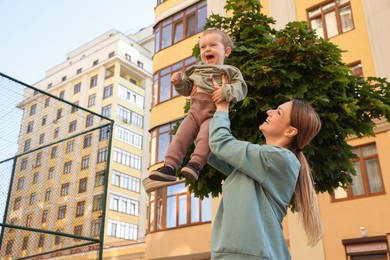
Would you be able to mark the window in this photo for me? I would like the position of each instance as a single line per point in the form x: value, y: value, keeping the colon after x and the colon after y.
x: 99, y: 179
x: 126, y: 158
x: 23, y: 164
x: 85, y: 162
x: 129, y: 116
x: 128, y: 57
x: 111, y: 54
x: 96, y: 62
x: 107, y: 92
x: 33, y: 109
x: 32, y: 199
x: 38, y: 159
x: 69, y: 146
x: 128, y: 137
x: 356, y: 68
x: 63, y: 78
x: 56, y: 132
x: 75, y: 108
x: 72, y: 126
x: 174, y: 206
x: 35, y: 178
x: 104, y: 133
x: 368, y: 179
x: 102, y: 155
x: 91, y: 100
x: 95, y: 227
x: 161, y: 137
x: 41, y: 240
x: 47, y: 194
x: 44, y: 120
x: 106, y: 111
x: 17, y: 202
x: 25, y: 243
x: 121, y: 229
x: 140, y: 64
x: 9, y: 247
x: 49, y: 86
x: 76, y: 88
x: 89, y: 120
x: 124, y: 205
x: 41, y: 138
x: 94, y: 81
x: 29, y: 220
x: 50, y: 174
x: 20, y: 183
x: 62, y: 94
x: 61, y: 212
x: 331, y: 18
x: 187, y: 22
x: 80, y: 208
x: 78, y: 231
x: 67, y: 167
x: 30, y: 127
x: 59, y: 113
x: 53, y: 153
x: 130, y: 96
x: 79, y: 70
x: 47, y: 102
x: 83, y: 185
x: 162, y: 87
x: 27, y: 144
x: 97, y: 202
x: 87, y: 141
x: 57, y: 239
x: 45, y: 213
x: 64, y: 189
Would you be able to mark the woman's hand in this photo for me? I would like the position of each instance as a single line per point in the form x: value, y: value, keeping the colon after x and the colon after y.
x: 216, y: 96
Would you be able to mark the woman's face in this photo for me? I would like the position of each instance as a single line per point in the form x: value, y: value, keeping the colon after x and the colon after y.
x: 277, y: 122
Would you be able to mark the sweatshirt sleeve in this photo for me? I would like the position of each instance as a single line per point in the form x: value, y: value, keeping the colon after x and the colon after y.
x: 250, y: 159
x: 236, y: 90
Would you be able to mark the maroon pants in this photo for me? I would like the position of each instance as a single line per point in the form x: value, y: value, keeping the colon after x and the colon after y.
x: 194, y: 127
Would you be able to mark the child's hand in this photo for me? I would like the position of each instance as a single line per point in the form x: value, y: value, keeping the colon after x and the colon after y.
x: 176, y: 78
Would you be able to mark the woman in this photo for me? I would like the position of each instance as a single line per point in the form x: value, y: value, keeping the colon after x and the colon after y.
x: 261, y: 180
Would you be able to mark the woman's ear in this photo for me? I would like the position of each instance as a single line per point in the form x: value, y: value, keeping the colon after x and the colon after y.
x: 291, y: 132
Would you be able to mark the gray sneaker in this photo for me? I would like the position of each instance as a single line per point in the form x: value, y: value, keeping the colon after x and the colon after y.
x: 191, y: 171
x: 164, y: 173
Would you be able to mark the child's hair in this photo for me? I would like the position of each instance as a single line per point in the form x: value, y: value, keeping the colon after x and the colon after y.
x: 308, y: 123
x: 226, y: 40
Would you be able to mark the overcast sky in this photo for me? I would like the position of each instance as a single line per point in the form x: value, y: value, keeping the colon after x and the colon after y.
x: 36, y: 35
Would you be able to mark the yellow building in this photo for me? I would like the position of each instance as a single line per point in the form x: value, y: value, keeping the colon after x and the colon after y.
x: 59, y: 182
x: 179, y: 225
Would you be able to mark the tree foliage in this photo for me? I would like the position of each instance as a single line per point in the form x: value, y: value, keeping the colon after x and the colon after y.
x: 279, y: 65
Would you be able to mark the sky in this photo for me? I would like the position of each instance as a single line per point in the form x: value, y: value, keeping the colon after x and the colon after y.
x: 36, y: 35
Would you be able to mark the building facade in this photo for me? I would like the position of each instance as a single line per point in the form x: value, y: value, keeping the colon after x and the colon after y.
x: 110, y: 76
x: 179, y: 225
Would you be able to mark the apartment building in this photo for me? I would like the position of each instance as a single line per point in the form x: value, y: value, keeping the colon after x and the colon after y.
x: 64, y: 182
x: 356, y: 220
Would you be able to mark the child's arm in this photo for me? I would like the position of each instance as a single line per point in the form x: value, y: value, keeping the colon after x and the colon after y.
x: 182, y: 86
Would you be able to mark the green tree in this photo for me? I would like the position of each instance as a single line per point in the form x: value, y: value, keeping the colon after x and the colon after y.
x: 294, y: 62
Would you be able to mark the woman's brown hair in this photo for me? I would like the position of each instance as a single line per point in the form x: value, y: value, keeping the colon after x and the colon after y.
x: 308, y: 123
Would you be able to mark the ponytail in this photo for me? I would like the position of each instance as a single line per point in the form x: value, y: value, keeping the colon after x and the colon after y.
x: 308, y: 123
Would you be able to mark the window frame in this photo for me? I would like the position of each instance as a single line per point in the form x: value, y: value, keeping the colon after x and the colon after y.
x: 365, y: 176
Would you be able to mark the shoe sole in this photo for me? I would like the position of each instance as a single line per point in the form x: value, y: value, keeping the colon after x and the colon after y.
x: 159, y: 176
x: 189, y: 173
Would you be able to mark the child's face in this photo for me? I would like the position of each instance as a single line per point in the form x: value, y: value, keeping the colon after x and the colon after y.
x: 212, y: 50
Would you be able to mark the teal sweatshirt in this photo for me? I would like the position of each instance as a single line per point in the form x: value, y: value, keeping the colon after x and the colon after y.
x: 255, y: 195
